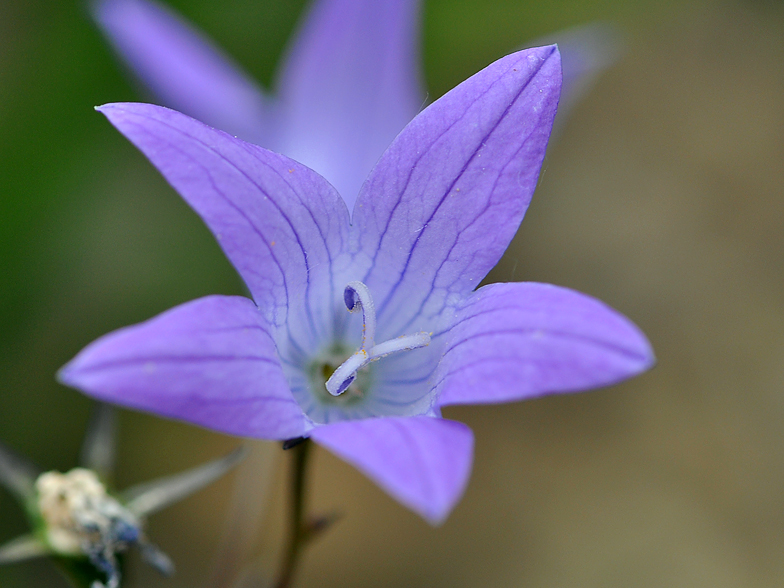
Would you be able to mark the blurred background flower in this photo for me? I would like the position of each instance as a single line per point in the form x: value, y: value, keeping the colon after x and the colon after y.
x: 663, y: 197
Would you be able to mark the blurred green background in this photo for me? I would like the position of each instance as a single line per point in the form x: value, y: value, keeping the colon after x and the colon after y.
x: 663, y: 196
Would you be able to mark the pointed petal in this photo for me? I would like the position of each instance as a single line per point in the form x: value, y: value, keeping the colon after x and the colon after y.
x: 211, y: 362
x: 280, y: 223
x: 349, y: 86
x: 100, y: 443
x: 183, y: 69
x: 443, y: 203
x: 145, y: 499
x: 586, y: 51
x: 421, y: 461
x: 17, y: 474
x: 23, y: 548
x: 518, y: 341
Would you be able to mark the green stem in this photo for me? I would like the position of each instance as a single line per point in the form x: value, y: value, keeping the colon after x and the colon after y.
x: 299, y: 535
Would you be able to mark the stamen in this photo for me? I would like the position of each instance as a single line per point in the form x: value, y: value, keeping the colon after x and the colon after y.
x: 357, y: 296
x: 404, y: 343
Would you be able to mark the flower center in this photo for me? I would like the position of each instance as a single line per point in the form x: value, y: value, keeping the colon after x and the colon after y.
x: 357, y: 297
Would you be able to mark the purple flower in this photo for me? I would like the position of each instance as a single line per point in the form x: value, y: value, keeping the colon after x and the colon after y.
x: 348, y: 85
x: 432, y: 218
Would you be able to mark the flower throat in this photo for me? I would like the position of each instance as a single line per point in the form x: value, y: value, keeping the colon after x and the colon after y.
x: 357, y: 297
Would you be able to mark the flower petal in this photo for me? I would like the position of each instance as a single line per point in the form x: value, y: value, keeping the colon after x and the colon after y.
x: 280, y: 223
x: 586, y: 51
x: 518, y: 341
x: 349, y: 85
x: 185, y: 70
x: 446, y: 198
x: 423, y: 462
x: 211, y: 362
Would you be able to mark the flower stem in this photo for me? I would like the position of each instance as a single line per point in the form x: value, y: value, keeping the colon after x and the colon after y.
x: 299, y: 534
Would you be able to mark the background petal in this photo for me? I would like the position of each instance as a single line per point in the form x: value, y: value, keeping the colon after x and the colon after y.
x: 444, y: 201
x: 517, y: 341
x: 280, y: 223
x: 211, y: 362
x: 423, y: 462
x: 184, y: 70
x: 349, y: 85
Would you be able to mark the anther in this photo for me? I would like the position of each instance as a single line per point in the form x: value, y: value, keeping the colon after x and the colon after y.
x: 357, y: 297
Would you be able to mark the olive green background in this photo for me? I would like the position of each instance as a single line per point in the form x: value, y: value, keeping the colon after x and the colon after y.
x: 663, y: 196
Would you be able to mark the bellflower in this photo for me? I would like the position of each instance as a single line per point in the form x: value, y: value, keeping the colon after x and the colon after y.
x: 348, y: 84
x: 363, y: 326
